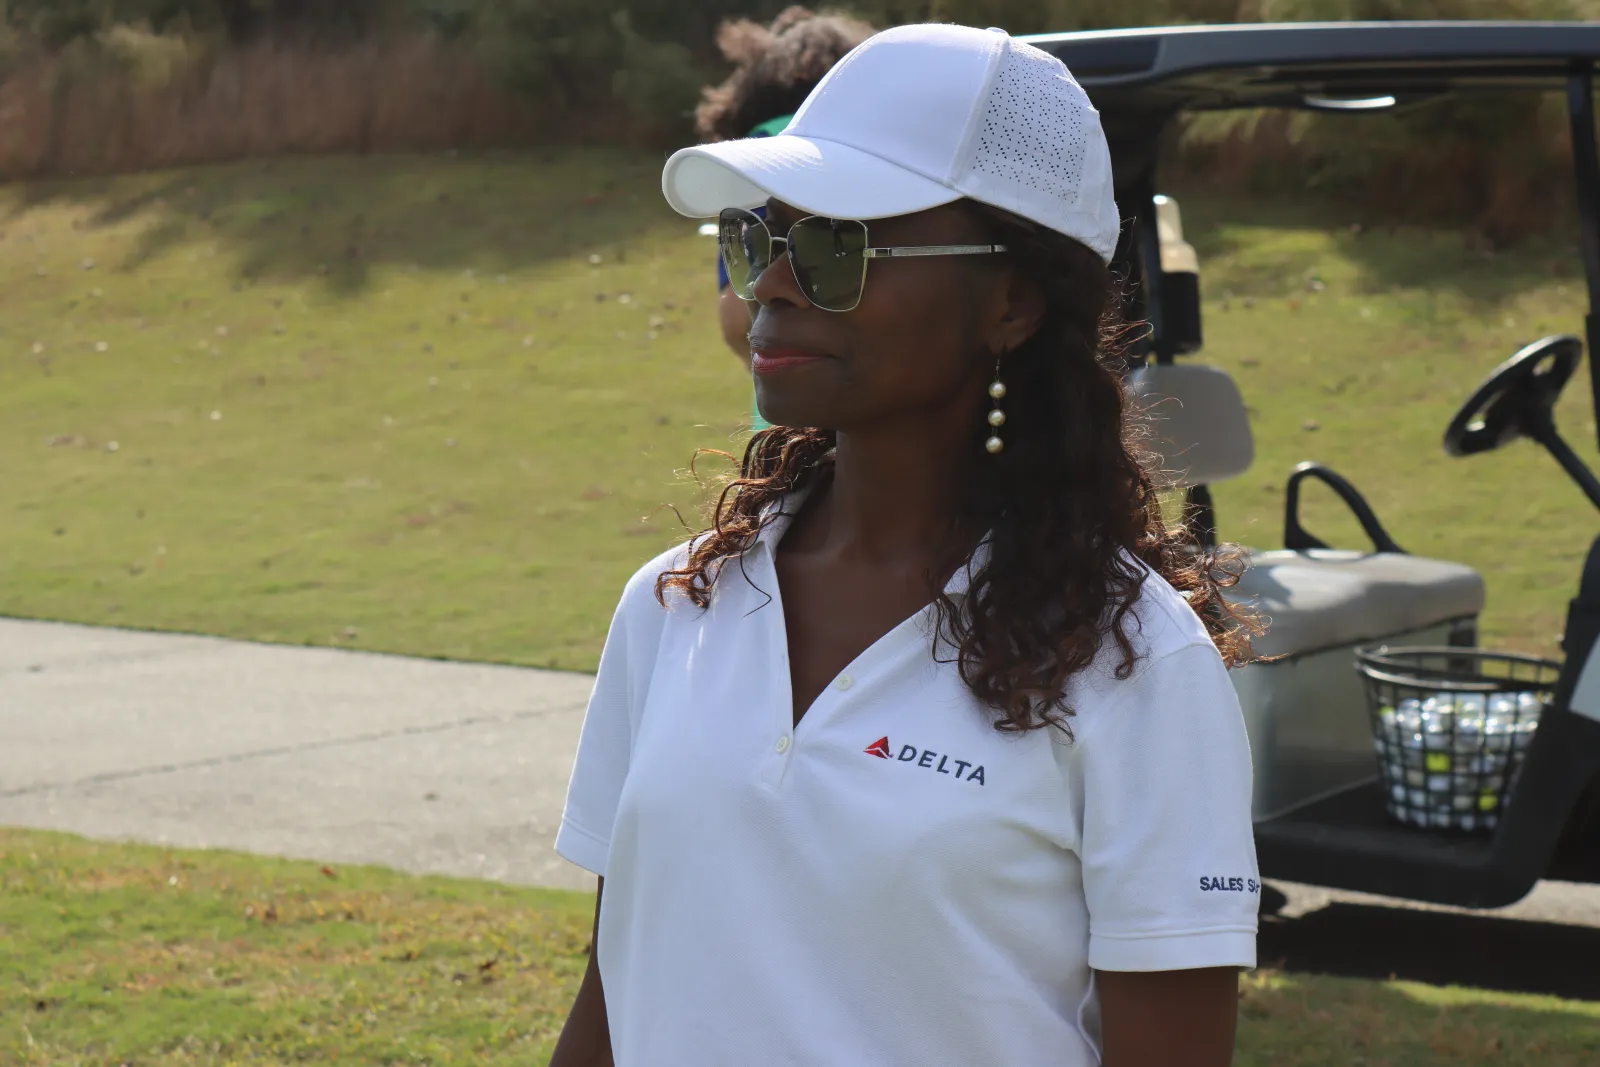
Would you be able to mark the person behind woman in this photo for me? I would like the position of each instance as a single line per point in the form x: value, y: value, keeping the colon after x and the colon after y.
x: 925, y: 753
x: 774, y: 69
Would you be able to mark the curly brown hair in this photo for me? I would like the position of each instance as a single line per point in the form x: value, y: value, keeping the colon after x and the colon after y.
x: 1073, y: 514
x: 775, y: 68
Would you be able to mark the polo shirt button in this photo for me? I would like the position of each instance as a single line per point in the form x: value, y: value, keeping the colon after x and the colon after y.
x: 844, y: 682
x: 783, y: 743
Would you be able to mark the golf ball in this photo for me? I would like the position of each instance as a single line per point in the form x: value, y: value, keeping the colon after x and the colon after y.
x: 1469, y: 734
x: 1490, y: 764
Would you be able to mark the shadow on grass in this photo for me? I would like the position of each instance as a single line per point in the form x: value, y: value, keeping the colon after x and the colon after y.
x: 1295, y: 1021
x: 1385, y: 256
x: 339, y: 218
x: 1437, y: 948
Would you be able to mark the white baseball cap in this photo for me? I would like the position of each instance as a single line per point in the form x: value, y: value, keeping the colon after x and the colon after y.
x: 919, y: 116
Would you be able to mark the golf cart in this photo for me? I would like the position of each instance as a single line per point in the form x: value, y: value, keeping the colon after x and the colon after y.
x: 1320, y: 807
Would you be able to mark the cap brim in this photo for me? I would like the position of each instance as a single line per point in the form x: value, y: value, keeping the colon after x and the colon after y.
x: 810, y: 174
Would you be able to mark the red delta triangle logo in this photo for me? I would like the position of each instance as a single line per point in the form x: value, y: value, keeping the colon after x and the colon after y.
x: 879, y: 748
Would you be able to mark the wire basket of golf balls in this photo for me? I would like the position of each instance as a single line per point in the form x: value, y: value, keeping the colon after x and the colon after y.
x: 1450, y: 727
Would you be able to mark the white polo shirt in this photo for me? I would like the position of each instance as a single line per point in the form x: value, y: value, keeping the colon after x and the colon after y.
x: 894, y: 881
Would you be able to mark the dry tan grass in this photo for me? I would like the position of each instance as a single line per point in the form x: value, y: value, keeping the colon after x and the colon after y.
x: 96, y: 113
x: 1503, y: 183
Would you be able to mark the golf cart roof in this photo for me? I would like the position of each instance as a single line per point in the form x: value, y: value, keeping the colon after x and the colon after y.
x: 1139, y: 79
x: 1335, y: 66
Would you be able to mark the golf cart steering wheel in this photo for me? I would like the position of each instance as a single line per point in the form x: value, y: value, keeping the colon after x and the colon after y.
x: 1517, y: 398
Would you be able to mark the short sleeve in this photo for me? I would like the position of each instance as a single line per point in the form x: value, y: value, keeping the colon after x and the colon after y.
x: 1167, y: 845
x: 605, y: 746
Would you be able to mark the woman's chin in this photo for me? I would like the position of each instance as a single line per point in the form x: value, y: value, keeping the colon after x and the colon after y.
x: 786, y: 407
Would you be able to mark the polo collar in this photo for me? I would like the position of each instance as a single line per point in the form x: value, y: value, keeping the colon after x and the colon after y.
x: 778, y: 515
x: 956, y: 588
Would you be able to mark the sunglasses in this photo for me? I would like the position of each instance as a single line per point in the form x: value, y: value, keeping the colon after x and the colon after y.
x: 828, y: 256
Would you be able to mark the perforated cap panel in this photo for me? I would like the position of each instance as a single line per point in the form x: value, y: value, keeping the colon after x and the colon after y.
x: 1033, y: 132
x: 1039, y: 151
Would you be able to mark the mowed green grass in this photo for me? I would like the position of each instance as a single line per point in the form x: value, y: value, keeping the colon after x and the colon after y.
x: 1315, y: 1021
x: 419, y: 405
x: 445, y: 406
x: 114, y: 954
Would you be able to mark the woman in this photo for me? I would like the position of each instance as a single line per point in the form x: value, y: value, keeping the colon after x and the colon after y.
x: 774, y: 68
x: 925, y: 753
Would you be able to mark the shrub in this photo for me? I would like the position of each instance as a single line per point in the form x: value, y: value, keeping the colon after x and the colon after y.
x: 109, y: 104
x: 1497, y: 162
x: 71, y: 70
x: 1049, y: 16
x: 56, y: 23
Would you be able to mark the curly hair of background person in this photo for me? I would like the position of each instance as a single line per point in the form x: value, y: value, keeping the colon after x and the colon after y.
x: 775, y: 68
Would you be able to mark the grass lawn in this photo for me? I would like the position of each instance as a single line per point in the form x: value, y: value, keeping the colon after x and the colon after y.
x: 418, y: 405
x: 436, y: 406
x: 113, y: 954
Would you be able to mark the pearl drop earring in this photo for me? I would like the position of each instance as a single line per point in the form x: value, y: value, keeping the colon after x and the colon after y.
x: 997, y: 417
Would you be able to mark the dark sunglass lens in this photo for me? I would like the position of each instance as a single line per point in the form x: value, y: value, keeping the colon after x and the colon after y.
x: 746, y: 249
x: 829, y: 260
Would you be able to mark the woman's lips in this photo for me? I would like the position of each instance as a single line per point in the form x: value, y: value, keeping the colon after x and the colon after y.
x: 770, y: 360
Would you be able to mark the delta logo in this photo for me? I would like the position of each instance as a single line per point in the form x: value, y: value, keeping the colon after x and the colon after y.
x: 925, y: 758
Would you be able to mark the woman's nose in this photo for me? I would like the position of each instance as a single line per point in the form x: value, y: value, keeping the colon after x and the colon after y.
x: 778, y: 285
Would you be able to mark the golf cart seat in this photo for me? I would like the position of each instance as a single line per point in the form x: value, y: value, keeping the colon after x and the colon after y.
x: 1304, y: 707
x: 1329, y: 598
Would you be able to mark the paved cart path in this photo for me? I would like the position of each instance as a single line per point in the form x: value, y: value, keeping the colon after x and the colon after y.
x: 319, y: 753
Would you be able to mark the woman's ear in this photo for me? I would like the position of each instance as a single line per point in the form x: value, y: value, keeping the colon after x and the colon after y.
x: 1019, y: 311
